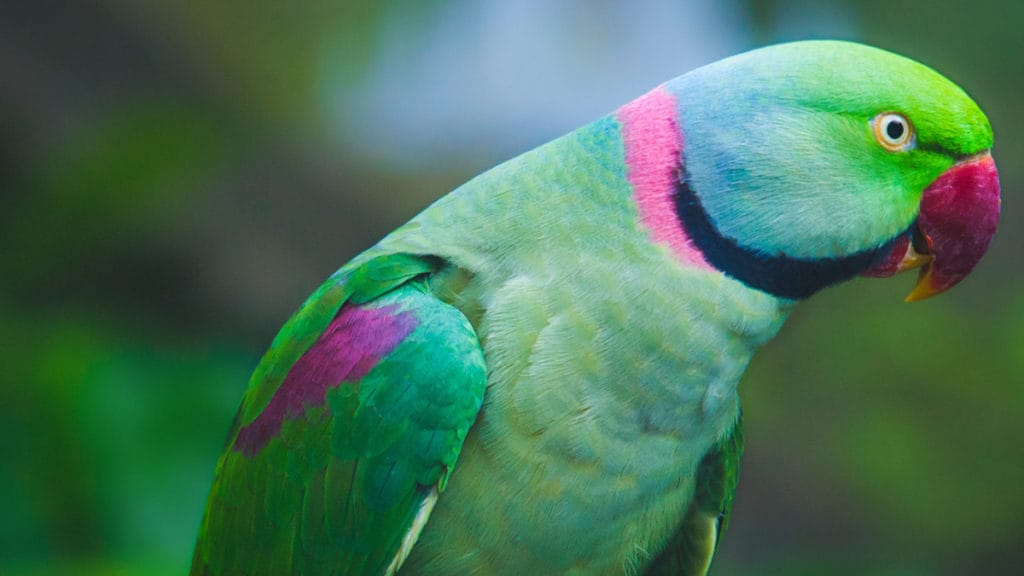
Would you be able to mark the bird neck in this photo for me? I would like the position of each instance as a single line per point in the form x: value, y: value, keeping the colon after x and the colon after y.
x: 671, y: 209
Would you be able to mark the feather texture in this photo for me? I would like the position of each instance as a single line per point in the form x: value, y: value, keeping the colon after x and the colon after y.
x: 607, y: 290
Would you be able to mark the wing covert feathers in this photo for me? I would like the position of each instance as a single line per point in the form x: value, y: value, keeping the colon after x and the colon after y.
x: 337, y: 459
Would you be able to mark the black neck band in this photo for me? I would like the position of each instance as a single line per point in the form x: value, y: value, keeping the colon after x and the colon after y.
x: 781, y: 276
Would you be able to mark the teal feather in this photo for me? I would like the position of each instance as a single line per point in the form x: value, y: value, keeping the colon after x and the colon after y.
x: 335, y: 488
x: 610, y: 349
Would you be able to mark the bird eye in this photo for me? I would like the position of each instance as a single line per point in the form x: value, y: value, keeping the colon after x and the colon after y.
x: 893, y: 131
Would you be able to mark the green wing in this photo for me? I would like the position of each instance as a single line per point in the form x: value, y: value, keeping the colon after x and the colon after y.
x: 690, y: 552
x: 351, y: 425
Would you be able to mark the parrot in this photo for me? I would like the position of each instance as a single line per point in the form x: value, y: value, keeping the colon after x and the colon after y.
x: 538, y: 373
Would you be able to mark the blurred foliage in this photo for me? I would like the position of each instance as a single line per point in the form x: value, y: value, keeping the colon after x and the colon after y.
x: 171, y: 198
x: 103, y: 424
x: 265, y: 56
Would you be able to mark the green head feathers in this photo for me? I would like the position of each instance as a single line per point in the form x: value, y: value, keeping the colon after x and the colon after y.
x: 782, y: 151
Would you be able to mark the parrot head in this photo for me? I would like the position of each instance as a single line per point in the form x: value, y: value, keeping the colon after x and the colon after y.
x: 809, y: 163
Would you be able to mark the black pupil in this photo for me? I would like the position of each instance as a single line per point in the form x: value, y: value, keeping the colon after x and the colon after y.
x: 894, y: 129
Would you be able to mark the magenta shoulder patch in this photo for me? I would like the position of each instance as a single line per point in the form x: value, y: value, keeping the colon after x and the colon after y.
x: 351, y: 345
x: 654, y: 146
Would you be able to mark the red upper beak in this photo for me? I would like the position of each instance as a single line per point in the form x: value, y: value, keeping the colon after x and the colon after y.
x: 956, y: 222
x: 958, y: 217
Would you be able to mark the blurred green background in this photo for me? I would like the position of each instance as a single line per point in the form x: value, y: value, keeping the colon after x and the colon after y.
x: 178, y: 176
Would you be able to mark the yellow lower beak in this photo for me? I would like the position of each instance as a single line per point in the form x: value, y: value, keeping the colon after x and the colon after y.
x: 925, y: 287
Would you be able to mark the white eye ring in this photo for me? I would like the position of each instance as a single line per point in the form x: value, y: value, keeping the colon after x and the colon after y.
x: 893, y: 131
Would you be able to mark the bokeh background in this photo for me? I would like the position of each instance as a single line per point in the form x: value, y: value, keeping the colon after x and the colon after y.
x: 176, y: 177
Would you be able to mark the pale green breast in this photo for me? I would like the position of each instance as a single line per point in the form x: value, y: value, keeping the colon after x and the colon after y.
x: 611, y: 367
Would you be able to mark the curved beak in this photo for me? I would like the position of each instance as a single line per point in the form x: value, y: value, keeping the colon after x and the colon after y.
x: 956, y: 222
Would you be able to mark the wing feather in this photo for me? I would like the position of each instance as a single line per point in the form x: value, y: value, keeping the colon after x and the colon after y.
x: 690, y: 552
x: 336, y: 461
